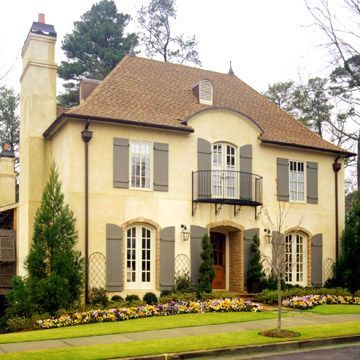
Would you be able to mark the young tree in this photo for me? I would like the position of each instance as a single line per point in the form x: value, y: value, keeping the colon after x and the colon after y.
x: 346, y: 268
x: 55, y: 268
x: 9, y: 119
x: 94, y: 48
x: 155, y: 21
x: 207, y: 272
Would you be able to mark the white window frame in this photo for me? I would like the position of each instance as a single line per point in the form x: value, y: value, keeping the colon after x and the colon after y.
x: 138, y: 284
x: 150, y: 188
x: 295, y: 271
x: 297, y: 182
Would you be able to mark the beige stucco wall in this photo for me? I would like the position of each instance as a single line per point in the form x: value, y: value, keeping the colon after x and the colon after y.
x: 173, y: 208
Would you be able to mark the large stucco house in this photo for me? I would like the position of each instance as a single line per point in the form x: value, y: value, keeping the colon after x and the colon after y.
x: 157, y: 154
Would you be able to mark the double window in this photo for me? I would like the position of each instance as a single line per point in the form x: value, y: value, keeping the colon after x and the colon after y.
x: 295, y: 255
x: 140, y: 164
x: 297, y: 181
x: 139, y: 257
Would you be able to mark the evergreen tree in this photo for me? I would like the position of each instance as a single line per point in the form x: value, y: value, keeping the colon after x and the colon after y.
x: 207, y: 272
x: 94, y: 48
x: 55, y: 268
x: 255, y: 270
x: 347, y: 268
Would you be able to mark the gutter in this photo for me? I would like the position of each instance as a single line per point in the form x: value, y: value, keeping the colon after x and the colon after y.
x: 336, y: 168
x: 50, y: 131
x: 86, y: 136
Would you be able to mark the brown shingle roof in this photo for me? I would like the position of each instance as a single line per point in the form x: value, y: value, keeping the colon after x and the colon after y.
x: 158, y: 93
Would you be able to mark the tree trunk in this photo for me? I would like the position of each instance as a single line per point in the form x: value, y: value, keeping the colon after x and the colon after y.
x: 279, y: 301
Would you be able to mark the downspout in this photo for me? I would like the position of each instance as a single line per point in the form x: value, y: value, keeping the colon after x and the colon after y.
x: 336, y: 168
x: 86, y: 136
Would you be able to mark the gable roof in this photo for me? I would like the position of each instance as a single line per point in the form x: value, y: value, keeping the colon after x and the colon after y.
x: 147, y: 92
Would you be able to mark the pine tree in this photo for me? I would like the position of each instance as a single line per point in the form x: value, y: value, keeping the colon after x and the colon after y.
x: 207, y: 272
x: 347, y: 268
x: 255, y: 270
x: 94, y: 48
x: 55, y: 268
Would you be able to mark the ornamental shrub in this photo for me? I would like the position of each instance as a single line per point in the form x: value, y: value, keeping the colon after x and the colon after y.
x: 131, y: 298
x: 117, y: 298
x: 55, y: 268
x: 97, y: 296
x: 182, y: 282
x: 207, y: 272
x: 150, y: 298
x: 255, y: 270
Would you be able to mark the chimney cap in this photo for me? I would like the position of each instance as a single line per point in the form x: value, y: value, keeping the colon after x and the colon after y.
x: 40, y: 27
x: 6, y: 152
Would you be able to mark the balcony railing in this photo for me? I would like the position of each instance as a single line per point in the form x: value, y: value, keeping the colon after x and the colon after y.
x: 227, y: 187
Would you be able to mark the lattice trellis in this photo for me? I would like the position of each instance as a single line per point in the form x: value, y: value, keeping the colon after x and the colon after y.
x: 182, y: 265
x: 97, y: 270
x: 328, y: 268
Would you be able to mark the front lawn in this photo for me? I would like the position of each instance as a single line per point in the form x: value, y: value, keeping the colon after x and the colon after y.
x: 190, y: 343
x: 146, y: 324
x: 336, y: 309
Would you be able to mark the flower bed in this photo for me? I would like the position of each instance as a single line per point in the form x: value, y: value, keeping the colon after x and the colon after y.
x: 309, y: 301
x: 172, y: 308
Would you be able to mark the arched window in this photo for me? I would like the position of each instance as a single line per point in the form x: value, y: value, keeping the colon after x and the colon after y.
x: 140, y: 257
x: 295, y: 259
x: 223, y: 170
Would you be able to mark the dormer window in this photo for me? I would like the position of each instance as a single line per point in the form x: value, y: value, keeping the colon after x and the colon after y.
x: 205, y: 92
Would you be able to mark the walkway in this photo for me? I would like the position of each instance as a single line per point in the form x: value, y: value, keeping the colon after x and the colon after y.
x: 295, y: 320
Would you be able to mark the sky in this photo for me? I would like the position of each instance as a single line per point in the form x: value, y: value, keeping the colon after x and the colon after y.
x: 267, y: 41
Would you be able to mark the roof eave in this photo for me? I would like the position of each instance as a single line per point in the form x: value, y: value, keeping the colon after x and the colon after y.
x: 53, y: 128
x: 344, y: 153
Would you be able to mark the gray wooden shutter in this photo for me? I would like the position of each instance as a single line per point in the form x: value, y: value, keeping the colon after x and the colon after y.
x: 204, y: 163
x: 312, y: 182
x: 114, y: 279
x: 316, y: 260
x: 196, y: 235
x: 246, y: 170
x: 161, y: 167
x: 282, y: 169
x: 121, y: 163
x: 167, y: 258
x: 248, y: 236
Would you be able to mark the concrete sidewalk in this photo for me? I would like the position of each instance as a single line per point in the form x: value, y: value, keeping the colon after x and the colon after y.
x: 294, y: 320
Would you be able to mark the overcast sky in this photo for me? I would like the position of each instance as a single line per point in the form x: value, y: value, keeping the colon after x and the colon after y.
x: 267, y: 41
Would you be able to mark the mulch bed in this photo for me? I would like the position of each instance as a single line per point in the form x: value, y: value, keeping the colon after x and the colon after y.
x: 275, y: 333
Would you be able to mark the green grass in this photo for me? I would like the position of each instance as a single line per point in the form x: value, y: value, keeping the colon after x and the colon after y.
x: 190, y: 343
x: 155, y: 323
x: 336, y: 309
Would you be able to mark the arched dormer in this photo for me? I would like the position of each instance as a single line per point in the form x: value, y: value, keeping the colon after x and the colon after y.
x: 204, y: 91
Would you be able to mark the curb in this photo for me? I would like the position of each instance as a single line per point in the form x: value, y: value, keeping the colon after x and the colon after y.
x: 253, y: 349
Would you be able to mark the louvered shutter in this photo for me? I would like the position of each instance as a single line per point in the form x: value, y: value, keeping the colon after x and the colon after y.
x: 282, y: 181
x: 114, y: 278
x: 204, y: 167
x: 161, y: 167
x: 312, y: 182
x: 246, y: 170
x: 167, y: 258
x: 121, y: 163
x: 316, y: 260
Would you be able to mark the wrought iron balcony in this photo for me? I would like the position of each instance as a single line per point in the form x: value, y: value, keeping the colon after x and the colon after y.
x: 226, y: 187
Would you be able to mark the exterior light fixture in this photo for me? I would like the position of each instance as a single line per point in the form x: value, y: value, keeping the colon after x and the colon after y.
x: 185, y: 233
x: 268, y: 236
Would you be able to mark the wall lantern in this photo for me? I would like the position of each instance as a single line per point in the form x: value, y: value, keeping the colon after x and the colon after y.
x: 268, y: 236
x: 185, y: 233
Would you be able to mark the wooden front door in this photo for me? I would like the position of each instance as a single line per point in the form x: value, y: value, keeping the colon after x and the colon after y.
x: 218, y: 251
